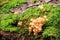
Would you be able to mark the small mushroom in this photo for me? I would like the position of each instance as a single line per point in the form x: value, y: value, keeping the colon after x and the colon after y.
x: 42, y: 8
x: 20, y: 23
x: 30, y: 29
x: 16, y: 13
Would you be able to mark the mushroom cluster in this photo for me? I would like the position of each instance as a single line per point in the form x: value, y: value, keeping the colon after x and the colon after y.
x: 36, y: 24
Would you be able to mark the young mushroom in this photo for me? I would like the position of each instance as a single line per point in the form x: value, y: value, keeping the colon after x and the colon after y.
x: 42, y: 8
x: 20, y: 23
x: 16, y: 13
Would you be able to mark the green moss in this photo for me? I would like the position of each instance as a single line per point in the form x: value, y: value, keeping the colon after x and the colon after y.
x: 51, y: 31
x: 3, y: 2
x: 54, y: 17
x: 10, y: 4
x: 35, y: 1
x: 47, y: 7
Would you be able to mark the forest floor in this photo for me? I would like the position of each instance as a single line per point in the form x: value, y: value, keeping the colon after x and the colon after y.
x: 25, y: 6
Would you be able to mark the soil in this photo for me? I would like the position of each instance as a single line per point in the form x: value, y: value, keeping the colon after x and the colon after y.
x: 26, y: 5
x: 13, y: 36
